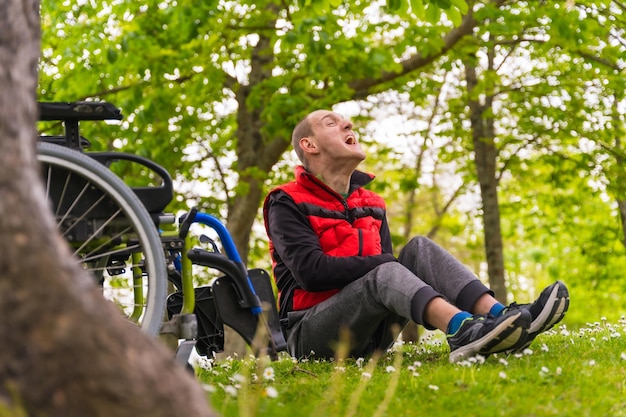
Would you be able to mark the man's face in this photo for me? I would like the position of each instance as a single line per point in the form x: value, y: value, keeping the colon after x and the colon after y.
x: 333, y: 135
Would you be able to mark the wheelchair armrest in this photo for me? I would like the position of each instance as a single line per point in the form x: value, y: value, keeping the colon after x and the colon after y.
x: 155, y: 199
x: 237, y: 272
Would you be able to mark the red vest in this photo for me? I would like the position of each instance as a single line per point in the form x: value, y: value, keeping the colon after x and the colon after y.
x: 344, y: 226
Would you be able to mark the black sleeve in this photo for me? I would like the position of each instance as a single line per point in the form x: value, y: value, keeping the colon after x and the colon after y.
x: 385, y: 237
x: 297, y: 246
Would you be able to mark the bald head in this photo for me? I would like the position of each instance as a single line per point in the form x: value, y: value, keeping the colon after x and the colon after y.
x: 303, y: 129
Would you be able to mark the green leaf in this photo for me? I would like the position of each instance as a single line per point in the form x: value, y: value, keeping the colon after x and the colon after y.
x: 461, y: 5
x: 417, y: 7
x: 455, y: 16
x: 433, y: 14
x: 444, y: 4
x: 111, y: 55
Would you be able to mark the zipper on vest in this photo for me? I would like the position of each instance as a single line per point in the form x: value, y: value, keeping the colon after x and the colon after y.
x: 360, y: 242
x: 351, y: 220
x: 346, y: 209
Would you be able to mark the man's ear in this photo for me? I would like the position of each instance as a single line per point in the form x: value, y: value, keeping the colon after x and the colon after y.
x: 308, y: 145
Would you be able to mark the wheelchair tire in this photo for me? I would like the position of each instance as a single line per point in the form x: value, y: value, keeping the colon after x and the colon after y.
x: 110, y: 232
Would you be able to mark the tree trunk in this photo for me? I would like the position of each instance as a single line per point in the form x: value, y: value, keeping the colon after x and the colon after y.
x: 65, y: 350
x: 621, y: 204
x: 620, y: 177
x: 485, y: 155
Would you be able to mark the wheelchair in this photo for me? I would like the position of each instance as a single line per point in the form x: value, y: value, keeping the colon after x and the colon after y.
x: 132, y: 248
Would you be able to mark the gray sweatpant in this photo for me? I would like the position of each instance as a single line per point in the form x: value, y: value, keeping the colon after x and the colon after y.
x: 382, y: 300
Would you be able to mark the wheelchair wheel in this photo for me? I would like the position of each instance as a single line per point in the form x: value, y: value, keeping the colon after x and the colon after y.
x: 109, y: 231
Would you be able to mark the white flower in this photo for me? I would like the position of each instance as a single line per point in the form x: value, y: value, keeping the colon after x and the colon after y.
x: 527, y: 351
x: 592, y: 362
x: 433, y: 387
x: 205, y: 363
x: 268, y: 373
x: 238, y: 378
x: 502, y: 375
x: 271, y: 392
x: 544, y: 348
x: 503, y: 361
x: 340, y: 368
x: 359, y: 362
x: 623, y: 356
x: 390, y: 369
x: 480, y: 359
x: 559, y: 371
x: 208, y: 387
x: 229, y: 389
x: 366, y: 375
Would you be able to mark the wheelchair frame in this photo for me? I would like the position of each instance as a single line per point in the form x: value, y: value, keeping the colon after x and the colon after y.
x: 113, y: 227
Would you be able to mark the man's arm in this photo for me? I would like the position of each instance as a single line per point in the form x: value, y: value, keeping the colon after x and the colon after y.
x: 298, y: 247
x: 385, y: 237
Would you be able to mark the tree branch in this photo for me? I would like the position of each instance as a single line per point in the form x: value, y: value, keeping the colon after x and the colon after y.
x: 362, y: 87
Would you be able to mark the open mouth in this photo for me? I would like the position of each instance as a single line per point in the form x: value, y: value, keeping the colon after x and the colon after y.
x: 350, y: 140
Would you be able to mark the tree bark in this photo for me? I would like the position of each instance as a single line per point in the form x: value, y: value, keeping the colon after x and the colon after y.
x: 621, y: 204
x: 485, y: 156
x: 65, y: 350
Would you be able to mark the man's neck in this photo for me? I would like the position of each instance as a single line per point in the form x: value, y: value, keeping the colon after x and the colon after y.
x: 341, y: 185
x: 338, y: 180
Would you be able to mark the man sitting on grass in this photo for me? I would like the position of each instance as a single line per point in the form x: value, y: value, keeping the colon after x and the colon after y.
x: 334, y: 266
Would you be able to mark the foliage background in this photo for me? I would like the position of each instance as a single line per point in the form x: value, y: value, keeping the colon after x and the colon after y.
x: 211, y: 90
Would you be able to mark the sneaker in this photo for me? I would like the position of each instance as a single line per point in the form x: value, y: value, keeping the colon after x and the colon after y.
x: 546, y: 311
x: 484, y: 334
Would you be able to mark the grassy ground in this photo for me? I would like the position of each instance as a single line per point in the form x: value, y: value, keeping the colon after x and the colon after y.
x: 564, y: 373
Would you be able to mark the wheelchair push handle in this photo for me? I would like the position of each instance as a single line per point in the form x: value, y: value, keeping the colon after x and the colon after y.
x: 78, y: 110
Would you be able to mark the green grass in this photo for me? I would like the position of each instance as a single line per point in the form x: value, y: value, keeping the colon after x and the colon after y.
x: 564, y: 373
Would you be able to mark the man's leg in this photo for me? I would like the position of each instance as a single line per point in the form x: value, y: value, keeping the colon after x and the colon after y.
x: 446, y: 275
x: 388, y: 293
x: 383, y: 296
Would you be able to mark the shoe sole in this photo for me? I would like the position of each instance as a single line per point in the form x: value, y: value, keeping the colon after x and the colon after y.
x: 552, y: 313
x: 504, y: 336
